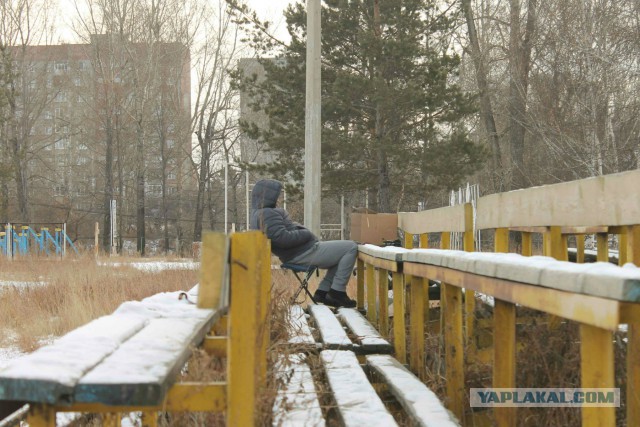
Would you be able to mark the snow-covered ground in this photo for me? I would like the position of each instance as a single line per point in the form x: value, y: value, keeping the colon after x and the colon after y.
x: 19, y: 285
x: 155, y: 266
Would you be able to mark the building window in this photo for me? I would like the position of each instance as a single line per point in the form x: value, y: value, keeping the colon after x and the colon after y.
x: 172, y: 190
x: 61, y: 67
x: 48, y: 115
x: 61, y: 96
x: 48, y: 130
x: 58, y: 112
x: 77, y: 81
x: 154, y: 190
x: 171, y: 175
x: 60, y: 161
x: 170, y: 143
x: 83, y: 65
x: 59, y: 190
x: 62, y: 143
x: 82, y: 147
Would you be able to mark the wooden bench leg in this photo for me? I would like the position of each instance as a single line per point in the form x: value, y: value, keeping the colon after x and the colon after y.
x: 372, y: 314
x: 399, y: 332
x: 383, y: 302
x: 416, y: 323
x: 149, y: 419
x: 111, y: 419
x: 360, y: 284
x: 453, y: 344
x: 41, y: 416
x: 597, y: 371
x: 504, y: 356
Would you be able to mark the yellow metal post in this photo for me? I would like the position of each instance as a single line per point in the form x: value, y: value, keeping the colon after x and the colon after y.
x: 424, y: 241
x: 445, y: 243
x: 602, y: 244
x: 622, y: 248
x: 501, y: 240
x: 399, y: 333
x: 383, y: 301
x: 597, y: 371
x: 111, y: 419
x: 150, y: 419
x: 243, y: 364
x: 416, y: 324
x: 527, y: 245
x: 553, y: 247
x: 453, y: 344
x: 360, y: 284
x: 372, y: 314
x: 41, y: 416
x: 504, y: 356
x: 580, y: 248
x: 212, y: 269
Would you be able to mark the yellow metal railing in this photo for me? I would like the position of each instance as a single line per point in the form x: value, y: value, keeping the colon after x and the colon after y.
x: 602, y: 206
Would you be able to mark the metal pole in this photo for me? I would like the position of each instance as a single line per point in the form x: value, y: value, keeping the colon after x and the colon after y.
x: 246, y: 181
x: 312, y: 151
x: 226, y: 181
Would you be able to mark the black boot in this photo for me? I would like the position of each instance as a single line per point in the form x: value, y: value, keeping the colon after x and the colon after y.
x: 320, y: 296
x: 339, y: 299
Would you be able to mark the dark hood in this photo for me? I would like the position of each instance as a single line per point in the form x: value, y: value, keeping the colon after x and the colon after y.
x: 265, y: 194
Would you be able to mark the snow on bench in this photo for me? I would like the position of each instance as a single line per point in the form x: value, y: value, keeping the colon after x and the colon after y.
x: 331, y: 332
x: 297, y: 403
x: 420, y: 403
x: 298, y: 328
x: 601, y: 279
x: 391, y: 253
x: 367, y: 336
x: 357, y: 402
x: 143, y: 368
x: 52, y: 373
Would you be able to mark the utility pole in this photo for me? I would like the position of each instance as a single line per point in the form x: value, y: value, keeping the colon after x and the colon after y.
x: 312, y: 147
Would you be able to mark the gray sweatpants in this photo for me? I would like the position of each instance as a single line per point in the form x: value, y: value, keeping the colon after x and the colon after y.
x: 336, y: 256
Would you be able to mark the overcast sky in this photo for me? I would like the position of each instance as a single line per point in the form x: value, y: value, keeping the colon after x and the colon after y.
x: 271, y: 10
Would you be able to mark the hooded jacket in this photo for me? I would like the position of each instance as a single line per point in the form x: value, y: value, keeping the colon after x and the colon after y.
x: 288, y: 239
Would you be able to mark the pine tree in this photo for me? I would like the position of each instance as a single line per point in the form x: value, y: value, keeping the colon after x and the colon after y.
x: 393, y: 116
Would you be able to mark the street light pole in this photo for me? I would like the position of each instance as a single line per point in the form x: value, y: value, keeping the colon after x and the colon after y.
x: 312, y: 141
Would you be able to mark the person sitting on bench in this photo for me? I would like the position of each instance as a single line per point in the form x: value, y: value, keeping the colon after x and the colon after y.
x: 295, y: 244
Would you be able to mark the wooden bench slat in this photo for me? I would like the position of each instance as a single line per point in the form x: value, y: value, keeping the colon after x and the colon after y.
x: 367, y: 336
x: 297, y: 402
x: 357, y: 402
x: 143, y: 368
x: 331, y: 332
x: 49, y: 374
x: 422, y: 405
x: 298, y: 327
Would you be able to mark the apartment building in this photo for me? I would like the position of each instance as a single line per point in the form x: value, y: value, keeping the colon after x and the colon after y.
x: 96, y: 121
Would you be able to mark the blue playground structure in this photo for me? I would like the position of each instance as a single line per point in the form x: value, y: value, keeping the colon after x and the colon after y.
x: 17, y: 239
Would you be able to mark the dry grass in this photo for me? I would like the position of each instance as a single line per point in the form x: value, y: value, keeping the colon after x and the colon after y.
x: 77, y: 291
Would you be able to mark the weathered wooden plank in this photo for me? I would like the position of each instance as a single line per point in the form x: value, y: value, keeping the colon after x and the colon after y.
x: 378, y: 262
x: 296, y: 403
x: 331, y: 332
x: 449, y: 218
x: 372, y: 312
x: 399, y: 330
x: 603, y: 200
x: 601, y: 312
x: 600, y: 279
x: 298, y: 328
x: 357, y: 402
x: 421, y: 404
x: 49, y: 374
x: 143, y: 368
x: 360, y: 284
x: 454, y: 347
x: 366, y: 335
